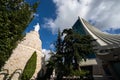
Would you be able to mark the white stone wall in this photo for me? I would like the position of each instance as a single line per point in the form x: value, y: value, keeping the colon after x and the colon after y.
x: 22, y: 54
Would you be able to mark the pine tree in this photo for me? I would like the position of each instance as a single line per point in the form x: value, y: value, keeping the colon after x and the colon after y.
x: 73, y: 49
x: 70, y: 51
x: 76, y: 48
x: 15, y: 15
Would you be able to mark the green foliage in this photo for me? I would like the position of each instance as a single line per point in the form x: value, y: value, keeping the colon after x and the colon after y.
x: 79, y: 73
x: 69, y: 52
x: 15, y: 15
x: 76, y: 47
x: 50, y: 67
x: 30, y: 67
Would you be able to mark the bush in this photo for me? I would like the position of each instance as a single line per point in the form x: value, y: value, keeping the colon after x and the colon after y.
x: 79, y: 72
x: 29, y: 68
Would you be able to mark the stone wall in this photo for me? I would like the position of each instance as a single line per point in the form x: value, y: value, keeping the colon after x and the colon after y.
x: 16, y: 63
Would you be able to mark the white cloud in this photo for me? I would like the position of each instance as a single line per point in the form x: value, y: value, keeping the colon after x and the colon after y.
x: 106, y: 13
x: 52, y: 46
x: 36, y: 15
x: 63, y: 36
x: 46, y: 52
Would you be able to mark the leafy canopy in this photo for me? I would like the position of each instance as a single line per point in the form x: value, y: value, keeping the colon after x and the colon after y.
x: 15, y: 15
x: 70, y: 51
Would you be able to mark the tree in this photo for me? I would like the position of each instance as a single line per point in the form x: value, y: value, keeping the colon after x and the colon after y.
x: 47, y: 72
x: 15, y: 15
x: 55, y: 61
x: 69, y: 52
x: 58, y: 57
x: 30, y: 67
x: 76, y: 47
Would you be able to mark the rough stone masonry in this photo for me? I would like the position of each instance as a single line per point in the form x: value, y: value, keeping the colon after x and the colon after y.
x: 16, y: 63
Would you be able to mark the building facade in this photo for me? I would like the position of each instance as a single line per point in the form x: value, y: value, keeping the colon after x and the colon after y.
x: 15, y: 65
x: 108, y: 50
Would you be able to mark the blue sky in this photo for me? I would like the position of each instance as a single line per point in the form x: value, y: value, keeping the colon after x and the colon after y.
x: 46, y: 9
x: 54, y: 14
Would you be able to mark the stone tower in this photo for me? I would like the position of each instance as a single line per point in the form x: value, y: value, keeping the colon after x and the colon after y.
x: 16, y: 63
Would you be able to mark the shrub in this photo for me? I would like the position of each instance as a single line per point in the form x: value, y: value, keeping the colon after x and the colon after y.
x: 29, y: 68
x: 79, y: 72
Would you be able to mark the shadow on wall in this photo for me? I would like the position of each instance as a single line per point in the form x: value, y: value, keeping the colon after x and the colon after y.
x: 7, y: 76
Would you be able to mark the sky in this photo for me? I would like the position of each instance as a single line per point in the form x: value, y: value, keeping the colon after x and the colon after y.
x: 54, y: 14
